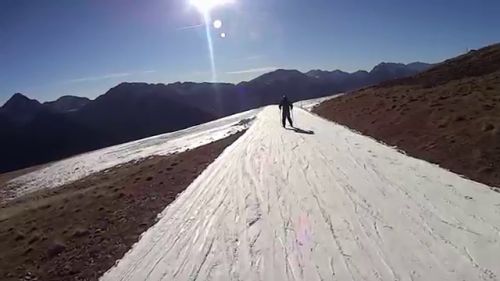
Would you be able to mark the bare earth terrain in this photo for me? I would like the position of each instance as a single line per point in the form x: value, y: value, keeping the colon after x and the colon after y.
x: 449, y: 115
x: 78, y: 231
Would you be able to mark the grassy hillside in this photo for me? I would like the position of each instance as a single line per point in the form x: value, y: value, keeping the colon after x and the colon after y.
x: 449, y: 115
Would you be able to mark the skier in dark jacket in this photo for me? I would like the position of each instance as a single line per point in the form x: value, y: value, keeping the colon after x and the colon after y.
x: 286, y: 106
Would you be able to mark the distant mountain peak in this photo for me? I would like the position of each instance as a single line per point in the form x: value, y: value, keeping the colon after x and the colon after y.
x: 20, y: 109
x: 19, y: 95
x: 67, y: 103
x: 418, y: 63
x: 392, y: 66
x: 66, y: 97
x: 420, y: 66
x: 19, y: 101
x: 387, y: 66
x: 282, y: 71
x: 279, y: 75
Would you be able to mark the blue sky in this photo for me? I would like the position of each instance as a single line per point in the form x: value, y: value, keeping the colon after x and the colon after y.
x: 50, y: 48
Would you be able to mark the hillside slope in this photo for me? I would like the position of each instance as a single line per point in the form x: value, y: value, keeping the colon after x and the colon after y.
x: 449, y: 115
x: 321, y: 203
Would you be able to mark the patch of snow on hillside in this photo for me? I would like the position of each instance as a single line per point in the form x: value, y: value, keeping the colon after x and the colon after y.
x: 77, y: 167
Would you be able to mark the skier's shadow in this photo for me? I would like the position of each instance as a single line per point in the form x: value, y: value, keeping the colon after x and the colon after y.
x: 301, y: 131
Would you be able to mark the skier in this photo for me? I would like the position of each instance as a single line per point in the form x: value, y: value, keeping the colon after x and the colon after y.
x: 285, y: 106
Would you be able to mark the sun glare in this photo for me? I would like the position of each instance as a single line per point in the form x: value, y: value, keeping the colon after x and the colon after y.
x: 205, y: 6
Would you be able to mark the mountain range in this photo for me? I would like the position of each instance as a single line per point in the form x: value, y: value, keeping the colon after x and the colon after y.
x: 35, y: 133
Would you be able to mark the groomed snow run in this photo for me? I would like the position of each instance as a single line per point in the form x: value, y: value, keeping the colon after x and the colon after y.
x: 77, y: 167
x: 324, y: 205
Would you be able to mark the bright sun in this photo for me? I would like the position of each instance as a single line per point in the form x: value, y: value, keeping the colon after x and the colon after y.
x: 205, y: 6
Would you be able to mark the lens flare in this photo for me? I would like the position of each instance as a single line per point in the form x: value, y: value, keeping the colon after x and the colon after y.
x: 217, y: 24
x: 210, y: 47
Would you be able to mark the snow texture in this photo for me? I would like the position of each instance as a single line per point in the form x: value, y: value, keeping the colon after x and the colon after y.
x: 74, y: 168
x: 311, y: 103
x: 324, y: 205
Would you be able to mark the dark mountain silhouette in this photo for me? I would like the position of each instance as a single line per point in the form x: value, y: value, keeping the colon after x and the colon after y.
x: 131, y: 111
x: 338, y: 76
x: 393, y: 70
x: 219, y: 99
x: 34, y: 133
x: 381, y: 72
x: 37, y: 133
x: 47, y: 137
x: 472, y: 64
x: 280, y: 75
x: 270, y: 87
x: 67, y: 103
x: 419, y: 66
x: 20, y: 110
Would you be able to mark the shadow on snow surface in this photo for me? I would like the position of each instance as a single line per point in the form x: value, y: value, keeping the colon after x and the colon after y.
x: 301, y: 131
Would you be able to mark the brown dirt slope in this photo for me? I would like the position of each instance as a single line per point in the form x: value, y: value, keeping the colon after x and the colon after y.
x: 78, y: 231
x: 449, y: 115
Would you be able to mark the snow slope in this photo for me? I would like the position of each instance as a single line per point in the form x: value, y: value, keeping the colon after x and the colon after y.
x: 311, y: 103
x: 77, y: 167
x: 328, y: 205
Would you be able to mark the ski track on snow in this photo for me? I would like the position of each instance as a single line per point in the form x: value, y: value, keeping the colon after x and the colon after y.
x: 335, y: 205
